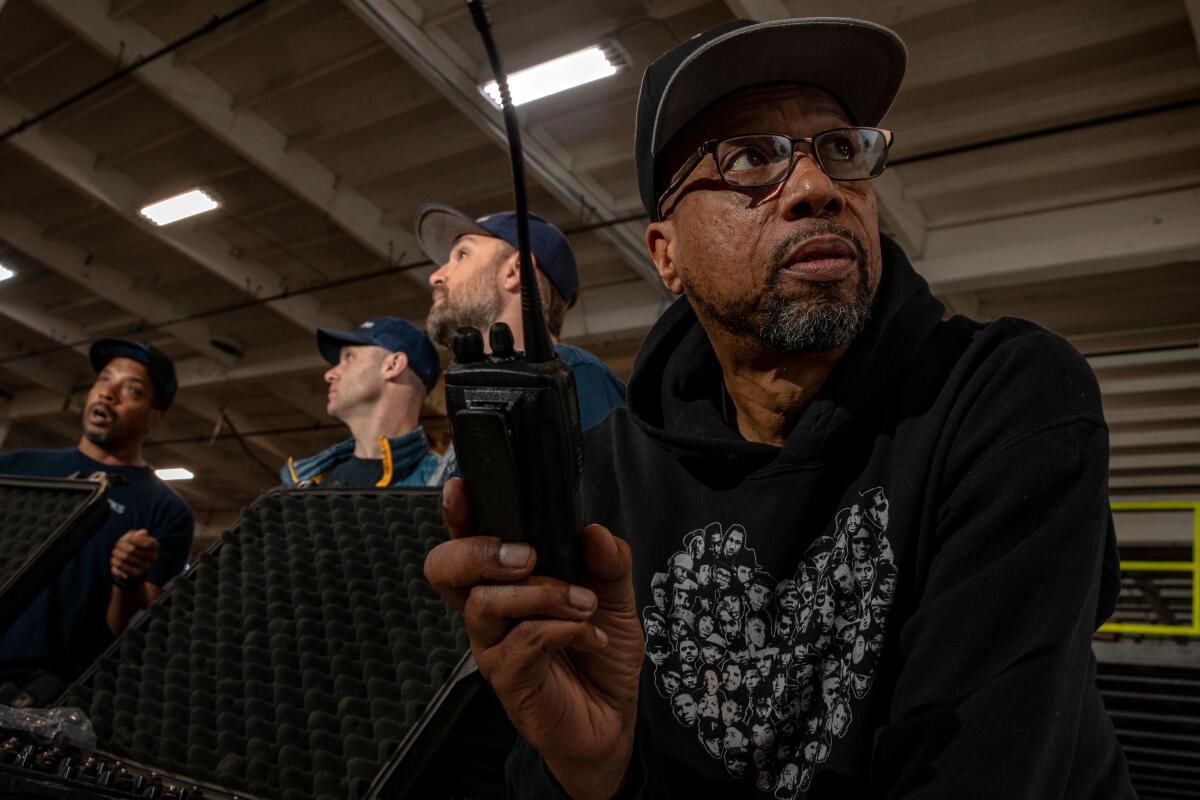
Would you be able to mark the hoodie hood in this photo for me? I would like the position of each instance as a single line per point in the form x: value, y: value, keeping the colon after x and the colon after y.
x: 675, y: 390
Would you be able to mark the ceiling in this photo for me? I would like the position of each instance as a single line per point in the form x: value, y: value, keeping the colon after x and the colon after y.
x: 1047, y: 165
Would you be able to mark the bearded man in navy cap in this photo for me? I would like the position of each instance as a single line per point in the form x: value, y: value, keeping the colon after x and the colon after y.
x: 380, y: 375
x: 479, y: 284
x: 126, y: 563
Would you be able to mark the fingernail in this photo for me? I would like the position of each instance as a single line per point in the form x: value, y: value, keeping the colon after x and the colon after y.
x: 581, y: 598
x: 602, y: 636
x: 515, y: 554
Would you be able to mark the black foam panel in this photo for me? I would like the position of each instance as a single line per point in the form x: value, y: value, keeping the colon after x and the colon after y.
x: 296, y: 656
x: 43, y: 524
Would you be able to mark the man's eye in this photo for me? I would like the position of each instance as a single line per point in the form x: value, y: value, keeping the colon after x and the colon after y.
x: 840, y: 148
x: 744, y: 158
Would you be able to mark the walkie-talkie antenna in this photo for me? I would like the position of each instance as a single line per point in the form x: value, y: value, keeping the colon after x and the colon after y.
x: 537, y: 336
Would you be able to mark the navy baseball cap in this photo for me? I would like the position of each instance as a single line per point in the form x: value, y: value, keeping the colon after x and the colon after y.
x: 858, y: 62
x: 159, y: 368
x: 438, y: 227
x: 392, y: 334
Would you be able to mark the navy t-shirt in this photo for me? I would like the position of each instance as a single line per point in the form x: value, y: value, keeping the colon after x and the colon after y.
x: 598, y: 388
x: 65, y: 628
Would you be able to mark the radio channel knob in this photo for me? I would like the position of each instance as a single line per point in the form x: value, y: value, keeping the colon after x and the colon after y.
x: 501, y: 339
x: 468, y: 345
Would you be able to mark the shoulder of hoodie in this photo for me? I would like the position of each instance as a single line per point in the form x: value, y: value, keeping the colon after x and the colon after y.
x: 1016, y: 379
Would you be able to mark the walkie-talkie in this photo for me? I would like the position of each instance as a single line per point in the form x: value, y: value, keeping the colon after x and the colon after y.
x: 515, y: 415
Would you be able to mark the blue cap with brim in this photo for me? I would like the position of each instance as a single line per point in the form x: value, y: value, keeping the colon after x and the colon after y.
x: 159, y: 368
x: 392, y: 334
x: 438, y: 227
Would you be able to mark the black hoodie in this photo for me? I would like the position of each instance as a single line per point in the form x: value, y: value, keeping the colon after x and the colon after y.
x: 899, y: 602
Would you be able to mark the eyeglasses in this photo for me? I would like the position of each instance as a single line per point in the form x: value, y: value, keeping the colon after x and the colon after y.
x: 765, y: 159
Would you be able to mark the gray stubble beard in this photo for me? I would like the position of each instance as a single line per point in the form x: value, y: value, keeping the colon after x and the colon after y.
x: 817, y: 324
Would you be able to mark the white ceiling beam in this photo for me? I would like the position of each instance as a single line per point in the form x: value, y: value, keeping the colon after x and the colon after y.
x: 1158, y: 383
x: 295, y: 81
x: 1157, y: 438
x: 1175, y: 133
x: 887, y: 12
x: 1138, y: 339
x: 111, y: 284
x: 1118, y: 235
x: 1156, y: 461
x: 246, y: 133
x: 1142, y: 84
x: 899, y: 216
x: 1144, y: 358
x: 546, y: 161
x: 760, y: 10
x: 1191, y: 479
x: 1159, y: 413
x: 76, y: 165
x: 613, y: 309
x: 1048, y: 31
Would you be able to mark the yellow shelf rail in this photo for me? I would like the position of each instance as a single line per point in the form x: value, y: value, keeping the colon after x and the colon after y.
x: 1187, y: 567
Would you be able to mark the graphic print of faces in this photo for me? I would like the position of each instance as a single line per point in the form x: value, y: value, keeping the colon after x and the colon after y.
x: 766, y: 673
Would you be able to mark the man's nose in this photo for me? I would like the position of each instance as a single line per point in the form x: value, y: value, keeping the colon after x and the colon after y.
x: 808, y: 192
x: 331, y: 374
x: 438, y: 278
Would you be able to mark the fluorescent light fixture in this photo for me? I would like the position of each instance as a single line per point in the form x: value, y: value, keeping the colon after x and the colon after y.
x: 181, y: 206
x: 174, y: 474
x: 556, y: 75
x: 5, y: 273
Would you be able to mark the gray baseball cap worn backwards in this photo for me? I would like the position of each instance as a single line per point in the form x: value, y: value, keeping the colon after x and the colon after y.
x: 858, y: 62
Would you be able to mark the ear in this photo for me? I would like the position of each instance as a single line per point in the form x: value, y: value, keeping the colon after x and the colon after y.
x: 660, y: 244
x: 394, y: 365
x: 509, y: 274
x: 155, y: 418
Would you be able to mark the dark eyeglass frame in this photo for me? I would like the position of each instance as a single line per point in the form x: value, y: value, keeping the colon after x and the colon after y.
x: 710, y: 147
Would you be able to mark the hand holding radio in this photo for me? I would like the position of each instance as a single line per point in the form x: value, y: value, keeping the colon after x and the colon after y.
x: 564, y: 659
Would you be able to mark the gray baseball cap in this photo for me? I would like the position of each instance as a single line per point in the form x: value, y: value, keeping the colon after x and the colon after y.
x: 858, y: 62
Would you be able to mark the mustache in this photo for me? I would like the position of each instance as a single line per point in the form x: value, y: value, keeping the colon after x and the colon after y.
x: 809, y: 229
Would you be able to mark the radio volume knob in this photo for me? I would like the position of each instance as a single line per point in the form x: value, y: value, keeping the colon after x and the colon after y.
x: 501, y: 339
x: 468, y: 345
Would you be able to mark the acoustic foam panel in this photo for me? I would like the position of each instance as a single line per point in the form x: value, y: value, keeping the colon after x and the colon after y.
x: 295, y: 657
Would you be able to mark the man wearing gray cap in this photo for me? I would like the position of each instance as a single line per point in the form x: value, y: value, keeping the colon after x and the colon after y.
x: 807, y: 392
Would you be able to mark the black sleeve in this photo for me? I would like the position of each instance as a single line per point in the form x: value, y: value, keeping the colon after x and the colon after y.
x: 994, y: 695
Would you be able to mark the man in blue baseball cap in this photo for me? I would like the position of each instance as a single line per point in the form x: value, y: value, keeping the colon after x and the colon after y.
x: 381, y: 374
x: 478, y: 284
x: 124, y: 565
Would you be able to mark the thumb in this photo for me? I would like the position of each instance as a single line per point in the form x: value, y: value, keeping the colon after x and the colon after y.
x: 610, y: 562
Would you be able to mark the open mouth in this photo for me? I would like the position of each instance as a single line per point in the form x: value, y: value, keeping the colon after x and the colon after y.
x: 100, y: 416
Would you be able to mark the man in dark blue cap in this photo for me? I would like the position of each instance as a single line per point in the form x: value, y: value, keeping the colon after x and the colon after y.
x: 478, y: 284
x: 381, y: 374
x: 125, y: 564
